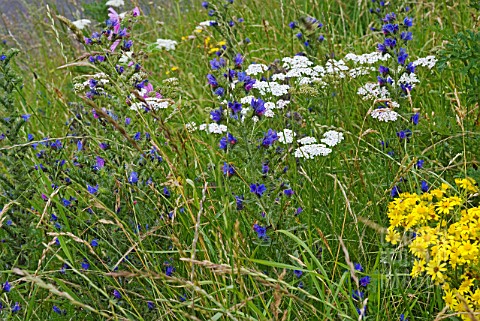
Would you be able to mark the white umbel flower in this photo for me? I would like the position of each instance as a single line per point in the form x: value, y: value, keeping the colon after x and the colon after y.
x: 254, y: 69
x: 168, y: 44
x: 428, y: 62
x: 82, y: 23
x: 307, y: 140
x: 384, y: 114
x: 310, y: 151
x: 332, y: 138
x: 286, y: 136
x: 213, y: 128
x: 114, y: 3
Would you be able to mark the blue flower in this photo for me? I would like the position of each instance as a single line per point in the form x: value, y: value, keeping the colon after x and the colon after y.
x: 94, y: 243
x: 6, y: 287
x: 235, y: 106
x: 402, y: 56
x: 383, y: 70
x: 117, y: 294
x: 169, y: 270
x: 415, y: 118
x: 166, y: 192
x: 410, y: 68
x: 292, y: 25
x: 16, y: 307
x: 26, y: 117
x: 269, y: 138
x: 228, y: 169
x: 258, y: 189
x: 390, y: 42
x: 402, y: 317
x: 212, y: 81
x: 404, y: 134
x: 406, y: 36
x: 66, y: 202
x: 150, y: 305
x: 357, y: 294
x: 389, y: 17
x: 261, y: 231
x: 133, y: 178
x: 239, y: 202
x: 85, y: 265
x: 92, y: 189
x: 364, y: 281
x: 205, y: 4
x: 297, y: 273
x: 57, y: 310
x: 424, y: 186
x: 394, y: 192
x: 382, y: 48
x: 216, y: 63
x: 408, y: 22
x: 238, y: 60
x: 137, y: 136
x: 3, y: 57
x: 219, y: 91
x: 358, y: 267
x: 265, y: 168
x: 389, y: 29
x: 420, y: 163
x: 299, y: 35
x: 100, y: 162
x: 288, y: 192
x: 258, y: 106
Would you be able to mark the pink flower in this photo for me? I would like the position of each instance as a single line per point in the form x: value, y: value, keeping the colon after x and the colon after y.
x: 136, y: 12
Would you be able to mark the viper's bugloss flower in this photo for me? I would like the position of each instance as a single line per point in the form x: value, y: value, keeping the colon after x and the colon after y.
x: 364, y: 281
x: 57, y: 310
x: 94, y: 243
x: 299, y: 35
x: 239, y: 202
x: 205, y: 4
x: 269, y: 138
x: 406, y: 88
x: 358, y: 267
x: 85, y: 265
x: 357, y: 294
x: 258, y: 106
x: 228, y: 170
x: 297, y: 273
x: 394, y: 192
x: 288, y: 192
x: 292, y: 25
x: 410, y: 68
x: 402, y: 56
x: 390, y: 42
x: 265, y: 168
x: 136, y: 12
x: 212, y: 81
x: 92, y: 189
x: 420, y: 163
x: 424, y: 186
x: 298, y: 211
x: 415, y: 118
x: 402, y: 317
x: 100, y: 162
x: 406, y: 36
x: 383, y: 70
x: 6, y: 287
x: 219, y: 91
x: 166, y: 192
x: 261, y: 231
x: 408, y: 22
x: 382, y: 48
x: 390, y: 17
x: 238, y: 60
x: 216, y: 115
x: 133, y: 178
x: 389, y: 29
x: 235, y: 107
x: 321, y: 38
x: 117, y: 294
x: 258, y: 189
x: 16, y: 307
x: 169, y: 270
x: 216, y: 63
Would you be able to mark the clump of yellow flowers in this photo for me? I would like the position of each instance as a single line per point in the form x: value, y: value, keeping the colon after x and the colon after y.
x: 445, y: 224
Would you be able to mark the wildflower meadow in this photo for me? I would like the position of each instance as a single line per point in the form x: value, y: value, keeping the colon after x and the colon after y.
x: 240, y: 160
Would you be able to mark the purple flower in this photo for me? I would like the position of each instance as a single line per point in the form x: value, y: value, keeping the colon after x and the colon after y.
x: 402, y: 317
x: 92, y: 189
x: 100, y: 162
x: 292, y: 25
x: 150, y: 304
x: 390, y: 42
x: 269, y: 138
x: 402, y: 56
x: 410, y: 68
x: 239, y: 202
x: 408, y: 22
x: 136, y: 12
x: 265, y: 168
x: 357, y: 294
x: 235, y: 106
x: 394, y: 192
x: 85, y: 265
x: 57, y: 310
x: 288, y: 192
x: 216, y: 63
x: 420, y: 163
x: 389, y: 17
x: 238, y: 60
x: 415, y: 118
x: 219, y: 91
x: 424, y: 186
x: 383, y: 70
x: 133, y: 178
x: 169, y: 270
x: 406, y: 36
x: 16, y: 307
x: 261, y: 231
x: 258, y: 189
x: 299, y: 35
x: 212, y: 81
x: 228, y: 170
x: 117, y: 294
x: 94, y: 243
x: 358, y: 267
x: 297, y: 273
x: 205, y: 4
x: 381, y: 48
x: 258, y: 106
x: 365, y: 281
x: 6, y: 287
x: 216, y: 115
x: 389, y: 29
x: 298, y: 211
x: 166, y: 192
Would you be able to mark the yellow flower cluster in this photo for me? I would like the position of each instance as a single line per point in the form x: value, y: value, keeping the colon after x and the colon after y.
x: 446, y: 230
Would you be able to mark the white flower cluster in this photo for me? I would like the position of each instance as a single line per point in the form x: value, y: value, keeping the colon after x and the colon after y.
x: 296, y: 62
x: 307, y: 140
x: 428, y: 62
x: 360, y: 71
x: 384, y: 114
x: 213, y: 128
x: 332, y: 138
x: 254, y: 69
x: 168, y: 44
x: 272, y: 87
x: 310, y: 151
x: 409, y: 79
x: 282, y: 103
x: 369, y: 58
x: 114, y: 3
x: 371, y: 91
x: 286, y: 136
x: 191, y: 126
x: 82, y: 23
x: 152, y: 103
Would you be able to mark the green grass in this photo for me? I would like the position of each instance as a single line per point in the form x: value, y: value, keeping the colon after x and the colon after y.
x: 223, y: 270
